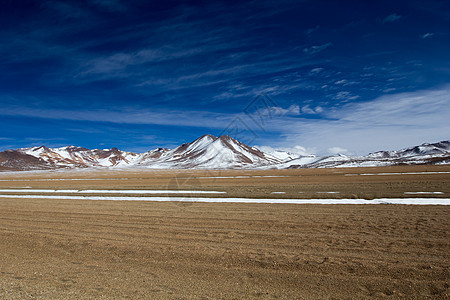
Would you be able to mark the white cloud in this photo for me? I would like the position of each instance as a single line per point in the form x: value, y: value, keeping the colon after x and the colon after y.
x: 319, y: 109
x: 293, y: 110
x: 427, y: 35
x: 389, y: 122
x: 345, y: 82
x: 312, y: 111
x: 392, y: 18
x: 311, y: 30
x: 128, y: 116
x: 315, y: 71
x: 338, y: 150
x: 316, y: 49
x: 344, y: 95
x: 299, y: 150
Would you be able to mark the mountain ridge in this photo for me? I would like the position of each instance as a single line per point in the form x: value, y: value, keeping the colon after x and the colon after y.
x: 210, y: 152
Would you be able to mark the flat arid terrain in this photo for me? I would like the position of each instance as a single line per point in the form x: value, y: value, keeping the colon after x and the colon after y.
x: 57, y: 242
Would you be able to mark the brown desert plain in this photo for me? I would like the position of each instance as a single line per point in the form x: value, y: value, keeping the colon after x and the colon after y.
x: 85, y: 249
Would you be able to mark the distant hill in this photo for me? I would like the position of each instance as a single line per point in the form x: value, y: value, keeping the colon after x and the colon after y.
x: 210, y: 152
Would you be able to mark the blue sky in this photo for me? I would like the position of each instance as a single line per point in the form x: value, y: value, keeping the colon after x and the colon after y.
x: 311, y: 76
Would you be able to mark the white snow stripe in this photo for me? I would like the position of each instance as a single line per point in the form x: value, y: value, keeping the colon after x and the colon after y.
x: 406, y: 173
x: 327, y: 192
x: 226, y: 177
x: 111, y: 191
x: 64, y: 179
x: 408, y: 201
x: 418, y: 193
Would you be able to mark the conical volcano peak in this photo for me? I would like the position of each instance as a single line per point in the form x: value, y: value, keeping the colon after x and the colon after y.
x: 226, y: 137
x: 206, y: 136
x: 211, y: 152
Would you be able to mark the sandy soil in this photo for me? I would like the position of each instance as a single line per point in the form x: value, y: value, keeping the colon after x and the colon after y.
x: 300, y: 183
x: 116, y: 249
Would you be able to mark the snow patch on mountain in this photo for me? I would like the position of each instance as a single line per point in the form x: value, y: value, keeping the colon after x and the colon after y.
x: 437, y: 153
x: 210, y: 152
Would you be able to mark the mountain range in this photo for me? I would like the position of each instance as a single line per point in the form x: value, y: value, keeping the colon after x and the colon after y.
x: 210, y: 152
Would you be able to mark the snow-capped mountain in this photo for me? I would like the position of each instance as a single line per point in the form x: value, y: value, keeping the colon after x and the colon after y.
x: 437, y: 153
x: 281, y: 155
x: 436, y: 149
x: 72, y: 156
x: 210, y: 152
x: 16, y: 160
x: 206, y: 152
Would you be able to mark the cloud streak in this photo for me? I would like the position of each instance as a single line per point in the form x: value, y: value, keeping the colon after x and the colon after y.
x: 196, y: 65
x: 392, y: 18
x: 316, y: 49
x: 397, y: 120
x: 127, y: 116
x: 387, y: 123
x: 427, y: 35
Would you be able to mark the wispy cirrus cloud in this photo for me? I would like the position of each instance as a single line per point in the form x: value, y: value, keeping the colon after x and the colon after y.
x: 111, y: 5
x: 427, y: 35
x: 139, y: 63
x: 316, y: 48
x: 127, y: 116
x: 389, y: 122
x: 392, y: 18
x: 397, y: 120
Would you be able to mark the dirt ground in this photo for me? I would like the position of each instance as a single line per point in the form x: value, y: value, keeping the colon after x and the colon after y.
x: 72, y: 249
x: 364, y: 183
